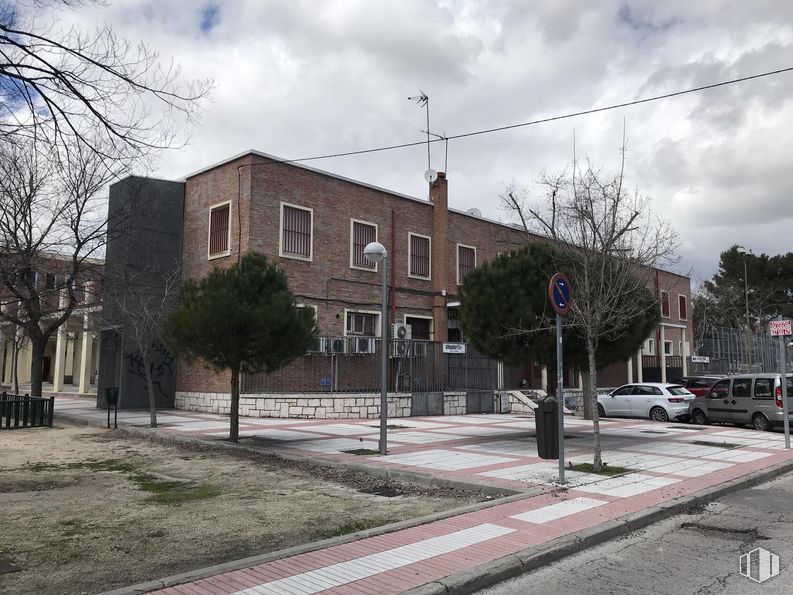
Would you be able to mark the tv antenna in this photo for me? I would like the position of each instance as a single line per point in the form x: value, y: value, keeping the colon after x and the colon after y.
x: 423, y: 100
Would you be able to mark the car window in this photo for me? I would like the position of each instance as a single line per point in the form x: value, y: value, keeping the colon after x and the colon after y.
x: 742, y: 388
x: 647, y: 390
x: 701, y: 383
x: 624, y: 390
x: 764, y: 388
x: 720, y: 389
x: 677, y: 390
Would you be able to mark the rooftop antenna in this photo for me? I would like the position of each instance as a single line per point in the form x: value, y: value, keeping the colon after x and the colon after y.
x: 423, y: 100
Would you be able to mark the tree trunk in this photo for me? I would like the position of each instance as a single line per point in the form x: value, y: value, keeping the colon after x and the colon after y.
x: 589, y: 398
x: 590, y: 348
x: 37, y: 365
x: 234, y: 430
x: 150, y: 390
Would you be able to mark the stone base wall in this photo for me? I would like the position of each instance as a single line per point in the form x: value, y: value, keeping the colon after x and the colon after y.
x: 454, y: 404
x: 304, y: 406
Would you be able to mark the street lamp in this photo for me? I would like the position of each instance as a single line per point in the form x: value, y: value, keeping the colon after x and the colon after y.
x: 742, y: 250
x: 376, y: 252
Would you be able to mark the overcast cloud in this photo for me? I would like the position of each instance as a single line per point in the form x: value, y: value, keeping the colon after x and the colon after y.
x: 301, y: 78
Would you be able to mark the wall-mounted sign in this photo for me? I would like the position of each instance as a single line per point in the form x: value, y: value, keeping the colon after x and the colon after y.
x: 454, y: 348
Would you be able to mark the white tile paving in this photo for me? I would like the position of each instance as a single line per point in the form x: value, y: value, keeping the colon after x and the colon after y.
x: 480, y: 431
x: 332, y: 445
x: 444, y: 460
x: 420, y: 437
x: 560, y: 510
x: 518, y: 448
x: 274, y: 434
x: 628, y: 485
x: 342, y: 573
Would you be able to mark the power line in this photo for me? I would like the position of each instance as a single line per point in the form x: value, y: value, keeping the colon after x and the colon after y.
x: 542, y: 120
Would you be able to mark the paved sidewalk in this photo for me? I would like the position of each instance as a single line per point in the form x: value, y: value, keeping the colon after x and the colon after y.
x: 667, y: 461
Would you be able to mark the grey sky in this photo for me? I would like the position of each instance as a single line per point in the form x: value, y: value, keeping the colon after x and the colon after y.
x: 299, y: 78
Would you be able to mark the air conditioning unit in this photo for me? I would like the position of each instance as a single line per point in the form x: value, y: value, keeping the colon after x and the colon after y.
x: 363, y: 344
x: 318, y: 346
x: 399, y: 348
x: 419, y: 348
x: 401, y: 331
x: 338, y: 345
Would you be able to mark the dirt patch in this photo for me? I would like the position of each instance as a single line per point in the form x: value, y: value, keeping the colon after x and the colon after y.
x: 86, y: 510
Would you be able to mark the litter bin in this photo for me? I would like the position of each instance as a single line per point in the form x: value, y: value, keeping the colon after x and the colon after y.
x: 111, y: 396
x: 546, y: 423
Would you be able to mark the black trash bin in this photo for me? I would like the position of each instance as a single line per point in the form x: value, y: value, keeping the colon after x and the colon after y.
x: 111, y: 396
x: 546, y: 423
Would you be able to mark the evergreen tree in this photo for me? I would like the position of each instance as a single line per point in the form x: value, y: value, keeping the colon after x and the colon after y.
x: 243, y: 319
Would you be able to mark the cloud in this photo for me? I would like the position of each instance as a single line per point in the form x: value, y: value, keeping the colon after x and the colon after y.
x: 298, y: 78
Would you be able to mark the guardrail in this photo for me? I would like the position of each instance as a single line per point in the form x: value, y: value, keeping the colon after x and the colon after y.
x: 24, y: 411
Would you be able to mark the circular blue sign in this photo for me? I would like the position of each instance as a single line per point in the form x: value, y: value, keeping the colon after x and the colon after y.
x: 560, y: 294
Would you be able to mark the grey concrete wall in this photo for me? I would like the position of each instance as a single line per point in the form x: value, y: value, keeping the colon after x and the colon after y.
x: 144, y: 243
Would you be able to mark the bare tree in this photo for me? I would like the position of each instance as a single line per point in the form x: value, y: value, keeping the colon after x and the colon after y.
x: 72, y: 88
x: 51, y: 210
x: 139, y: 299
x: 610, y: 241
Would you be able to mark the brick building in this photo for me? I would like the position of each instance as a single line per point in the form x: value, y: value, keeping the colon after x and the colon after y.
x: 315, y: 224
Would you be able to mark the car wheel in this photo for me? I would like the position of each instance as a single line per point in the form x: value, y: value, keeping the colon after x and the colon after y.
x: 658, y: 414
x: 760, y: 422
x: 601, y: 411
x: 699, y: 418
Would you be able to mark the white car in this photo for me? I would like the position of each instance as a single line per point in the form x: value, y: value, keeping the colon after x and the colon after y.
x: 654, y: 400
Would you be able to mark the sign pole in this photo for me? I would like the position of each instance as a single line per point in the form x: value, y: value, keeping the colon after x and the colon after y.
x: 561, y: 298
x: 560, y: 395
x: 783, y: 382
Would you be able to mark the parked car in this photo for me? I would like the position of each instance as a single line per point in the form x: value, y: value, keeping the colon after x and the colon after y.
x: 699, y: 386
x: 754, y: 399
x: 656, y: 400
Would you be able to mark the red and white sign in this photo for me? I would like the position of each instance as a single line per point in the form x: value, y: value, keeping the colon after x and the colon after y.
x: 780, y: 328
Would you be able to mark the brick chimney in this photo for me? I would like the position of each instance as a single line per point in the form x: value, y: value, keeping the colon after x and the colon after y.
x: 439, y: 197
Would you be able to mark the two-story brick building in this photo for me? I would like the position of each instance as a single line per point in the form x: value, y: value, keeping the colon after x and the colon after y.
x: 315, y: 224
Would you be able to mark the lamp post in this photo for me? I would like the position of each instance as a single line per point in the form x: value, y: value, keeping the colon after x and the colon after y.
x: 743, y: 251
x: 376, y: 252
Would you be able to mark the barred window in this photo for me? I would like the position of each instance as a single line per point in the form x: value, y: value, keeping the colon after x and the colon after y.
x: 296, y: 230
x: 219, y: 230
x: 362, y: 324
x: 419, y: 258
x: 466, y: 261
x: 362, y: 234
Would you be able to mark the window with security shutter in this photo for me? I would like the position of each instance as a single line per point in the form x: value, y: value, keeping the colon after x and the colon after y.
x: 466, y: 261
x: 665, y: 304
x: 683, y: 307
x: 362, y: 234
x: 419, y: 260
x: 219, y: 230
x: 296, y: 232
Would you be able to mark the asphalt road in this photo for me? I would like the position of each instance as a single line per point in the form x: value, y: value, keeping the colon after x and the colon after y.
x: 694, y: 553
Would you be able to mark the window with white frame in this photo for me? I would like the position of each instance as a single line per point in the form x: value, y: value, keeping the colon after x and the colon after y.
x: 651, y: 346
x: 682, y: 306
x: 668, y: 348
x: 665, y: 304
x: 362, y: 324
x: 361, y: 234
x: 466, y: 261
x: 219, y: 230
x: 296, y: 232
x: 419, y: 256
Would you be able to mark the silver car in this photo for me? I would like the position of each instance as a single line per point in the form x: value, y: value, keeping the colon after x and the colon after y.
x: 754, y: 399
x: 655, y: 400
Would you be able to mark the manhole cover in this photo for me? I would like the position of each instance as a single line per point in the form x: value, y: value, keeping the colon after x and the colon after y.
x: 8, y: 567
